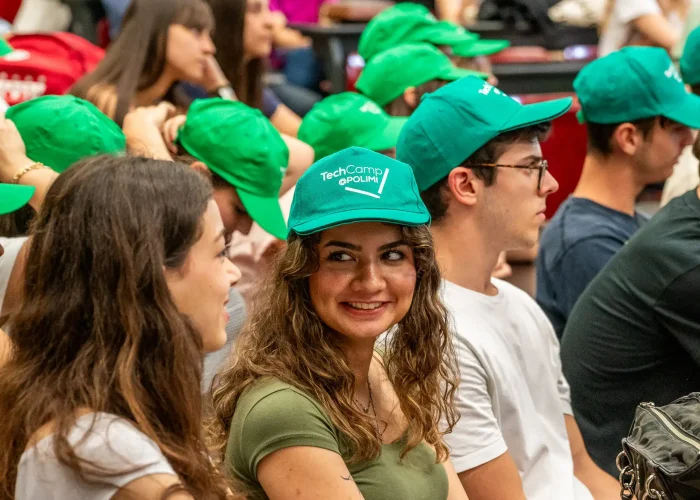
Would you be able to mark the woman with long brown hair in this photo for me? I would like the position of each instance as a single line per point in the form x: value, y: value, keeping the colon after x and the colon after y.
x: 312, y: 405
x: 126, y: 286
x: 162, y: 42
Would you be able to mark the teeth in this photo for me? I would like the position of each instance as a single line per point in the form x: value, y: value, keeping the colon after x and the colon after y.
x: 365, y: 305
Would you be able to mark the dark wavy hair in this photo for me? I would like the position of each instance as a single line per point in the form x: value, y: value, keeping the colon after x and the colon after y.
x: 287, y: 340
x: 99, y: 330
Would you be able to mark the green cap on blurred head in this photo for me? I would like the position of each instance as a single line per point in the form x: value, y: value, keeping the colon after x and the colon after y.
x: 455, y: 121
x: 477, y: 47
x: 348, y: 119
x: 355, y: 185
x: 404, y: 23
x: 13, y: 197
x: 390, y: 73
x: 240, y: 145
x: 690, y: 60
x: 635, y: 83
x: 5, y: 47
x: 59, y: 130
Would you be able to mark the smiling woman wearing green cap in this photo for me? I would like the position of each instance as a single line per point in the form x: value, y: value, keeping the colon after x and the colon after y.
x: 349, y: 119
x: 398, y: 77
x: 308, y: 408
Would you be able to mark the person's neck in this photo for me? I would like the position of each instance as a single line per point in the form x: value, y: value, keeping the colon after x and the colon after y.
x: 609, y: 182
x: 466, y: 254
x: 151, y: 95
x: 359, y: 357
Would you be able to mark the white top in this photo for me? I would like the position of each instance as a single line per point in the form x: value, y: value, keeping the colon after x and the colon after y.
x: 113, y: 443
x: 684, y: 178
x: 620, y: 33
x: 12, y: 247
x: 512, y: 395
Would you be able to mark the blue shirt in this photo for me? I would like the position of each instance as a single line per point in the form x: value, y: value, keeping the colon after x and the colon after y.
x: 578, y: 242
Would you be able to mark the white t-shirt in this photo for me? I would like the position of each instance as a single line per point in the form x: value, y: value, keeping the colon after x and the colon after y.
x: 619, y: 32
x: 12, y: 247
x: 113, y: 444
x: 512, y: 395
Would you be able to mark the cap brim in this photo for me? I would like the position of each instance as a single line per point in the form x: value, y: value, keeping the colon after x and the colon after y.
x: 687, y: 112
x: 480, y: 48
x: 532, y: 114
x: 266, y: 212
x: 456, y: 73
x: 440, y: 34
x: 13, y: 197
x: 387, y: 137
x: 361, y: 215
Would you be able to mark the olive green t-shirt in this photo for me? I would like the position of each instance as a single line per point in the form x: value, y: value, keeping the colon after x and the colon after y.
x: 272, y: 415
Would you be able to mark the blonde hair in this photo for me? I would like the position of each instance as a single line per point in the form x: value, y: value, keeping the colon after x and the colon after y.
x: 287, y: 340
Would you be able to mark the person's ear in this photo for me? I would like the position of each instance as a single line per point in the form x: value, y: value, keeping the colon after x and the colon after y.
x: 627, y: 139
x: 464, y: 186
x: 410, y: 97
x: 200, y: 167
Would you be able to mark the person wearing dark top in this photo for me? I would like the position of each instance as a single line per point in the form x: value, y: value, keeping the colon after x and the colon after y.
x: 632, y: 102
x: 633, y: 335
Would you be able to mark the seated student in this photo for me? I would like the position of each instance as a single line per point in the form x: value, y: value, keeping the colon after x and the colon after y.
x: 628, y: 101
x: 478, y: 164
x: 349, y: 119
x: 657, y: 23
x: 126, y: 284
x: 399, y: 77
x: 308, y: 407
x: 632, y: 336
x: 162, y: 42
x: 11, y: 198
x: 244, y: 42
x: 410, y: 23
x: 685, y: 175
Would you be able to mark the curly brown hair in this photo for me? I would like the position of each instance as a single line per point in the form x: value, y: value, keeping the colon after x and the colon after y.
x: 99, y: 330
x: 286, y: 339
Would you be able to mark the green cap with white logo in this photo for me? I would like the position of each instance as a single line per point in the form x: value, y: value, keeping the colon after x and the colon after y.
x: 410, y: 23
x: 356, y: 185
x: 349, y: 119
x: 14, y: 196
x: 239, y: 144
x: 690, y: 60
x: 393, y: 71
x: 635, y: 83
x: 455, y: 121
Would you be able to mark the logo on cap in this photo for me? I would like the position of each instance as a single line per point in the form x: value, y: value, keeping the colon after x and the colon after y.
x: 672, y: 72
x: 359, y: 175
x: 370, y: 107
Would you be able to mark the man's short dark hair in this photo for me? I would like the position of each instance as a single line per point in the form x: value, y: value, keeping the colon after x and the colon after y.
x: 600, y: 135
x: 434, y: 197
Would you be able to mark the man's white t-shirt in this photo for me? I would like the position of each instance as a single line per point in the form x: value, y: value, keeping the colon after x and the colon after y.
x: 512, y: 395
x: 619, y: 32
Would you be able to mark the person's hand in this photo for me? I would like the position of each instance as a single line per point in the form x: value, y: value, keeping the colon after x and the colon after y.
x: 502, y: 269
x: 149, y: 116
x: 213, y: 77
x: 13, y: 153
x: 170, y: 130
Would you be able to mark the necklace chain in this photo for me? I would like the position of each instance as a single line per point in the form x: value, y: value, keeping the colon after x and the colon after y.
x: 370, y: 404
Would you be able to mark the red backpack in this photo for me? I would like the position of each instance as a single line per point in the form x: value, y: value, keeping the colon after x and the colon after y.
x: 45, y: 63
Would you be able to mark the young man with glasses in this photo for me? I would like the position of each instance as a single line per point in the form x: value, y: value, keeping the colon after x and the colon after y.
x: 477, y: 160
x: 627, y: 101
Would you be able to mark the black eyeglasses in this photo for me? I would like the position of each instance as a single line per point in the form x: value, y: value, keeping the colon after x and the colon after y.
x: 541, y: 166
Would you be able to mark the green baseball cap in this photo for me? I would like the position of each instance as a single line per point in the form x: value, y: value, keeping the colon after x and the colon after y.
x: 239, y: 144
x: 478, y: 47
x: 355, y: 185
x: 5, y: 47
x: 14, y: 196
x: 455, y: 121
x: 690, y: 60
x: 390, y: 73
x: 349, y: 119
x: 407, y: 24
x: 635, y: 83
x: 60, y: 130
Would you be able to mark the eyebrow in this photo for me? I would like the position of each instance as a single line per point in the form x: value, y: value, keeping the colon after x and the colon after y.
x: 350, y: 246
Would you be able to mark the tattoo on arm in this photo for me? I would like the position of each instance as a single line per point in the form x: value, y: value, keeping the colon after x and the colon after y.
x: 349, y: 478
